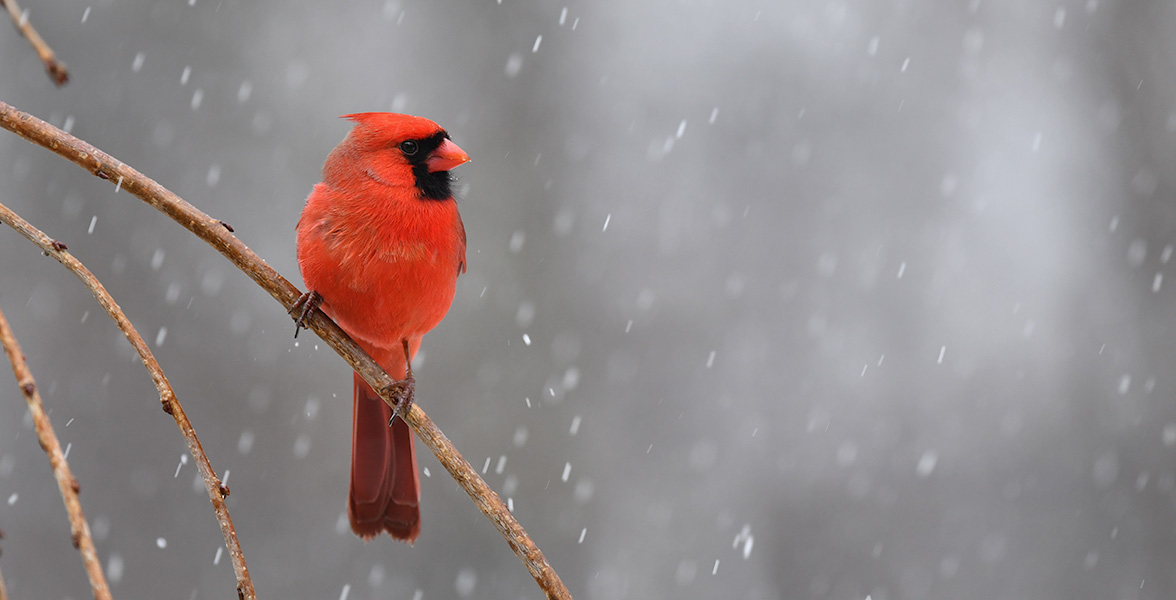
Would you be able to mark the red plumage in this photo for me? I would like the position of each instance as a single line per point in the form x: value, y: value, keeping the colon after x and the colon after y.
x: 380, y: 239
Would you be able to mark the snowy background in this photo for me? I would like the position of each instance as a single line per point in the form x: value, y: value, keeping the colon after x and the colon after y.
x: 825, y: 299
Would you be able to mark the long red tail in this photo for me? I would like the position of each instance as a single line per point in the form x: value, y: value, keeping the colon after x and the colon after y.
x: 385, y: 491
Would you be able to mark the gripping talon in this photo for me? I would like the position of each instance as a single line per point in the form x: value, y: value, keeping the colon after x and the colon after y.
x: 401, y: 393
x: 307, y: 302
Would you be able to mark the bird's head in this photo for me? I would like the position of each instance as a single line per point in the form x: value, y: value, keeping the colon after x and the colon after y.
x: 400, y: 150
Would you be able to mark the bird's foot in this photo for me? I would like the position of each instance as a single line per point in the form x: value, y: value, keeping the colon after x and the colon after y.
x: 401, y: 394
x: 307, y: 302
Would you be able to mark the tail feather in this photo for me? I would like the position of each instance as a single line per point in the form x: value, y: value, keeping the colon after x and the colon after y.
x: 385, y: 490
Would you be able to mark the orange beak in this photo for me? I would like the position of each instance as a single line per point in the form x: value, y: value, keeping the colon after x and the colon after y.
x: 446, y: 157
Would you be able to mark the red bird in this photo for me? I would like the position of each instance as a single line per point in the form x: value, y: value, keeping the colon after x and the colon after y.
x: 380, y: 246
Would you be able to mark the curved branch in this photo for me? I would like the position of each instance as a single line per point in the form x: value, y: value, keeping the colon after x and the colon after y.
x: 167, y: 396
x: 217, y: 234
x: 79, y: 530
x: 53, y: 66
x: 3, y: 590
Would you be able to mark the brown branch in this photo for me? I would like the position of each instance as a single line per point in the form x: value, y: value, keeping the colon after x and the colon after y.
x: 167, y: 396
x: 3, y: 590
x: 217, y: 234
x: 79, y: 530
x: 54, y: 67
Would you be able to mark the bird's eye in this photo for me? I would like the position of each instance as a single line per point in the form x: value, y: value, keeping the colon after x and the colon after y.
x: 409, y: 147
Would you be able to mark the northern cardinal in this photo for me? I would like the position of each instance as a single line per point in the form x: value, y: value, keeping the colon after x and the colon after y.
x: 380, y: 246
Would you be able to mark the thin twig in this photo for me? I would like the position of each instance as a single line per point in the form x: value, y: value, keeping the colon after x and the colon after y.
x: 217, y: 234
x: 167, y: 396
x: 79, y: 530
x: 3, y: 590
x: 54, y: 67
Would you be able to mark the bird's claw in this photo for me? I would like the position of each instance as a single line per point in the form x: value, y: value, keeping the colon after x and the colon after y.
x: 307, y: 302
x: 401, y: 394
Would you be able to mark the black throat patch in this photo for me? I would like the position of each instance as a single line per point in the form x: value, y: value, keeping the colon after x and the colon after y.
x: 433, y: 186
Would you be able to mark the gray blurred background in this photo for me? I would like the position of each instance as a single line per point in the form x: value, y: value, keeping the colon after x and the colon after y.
x: 825, y: 299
